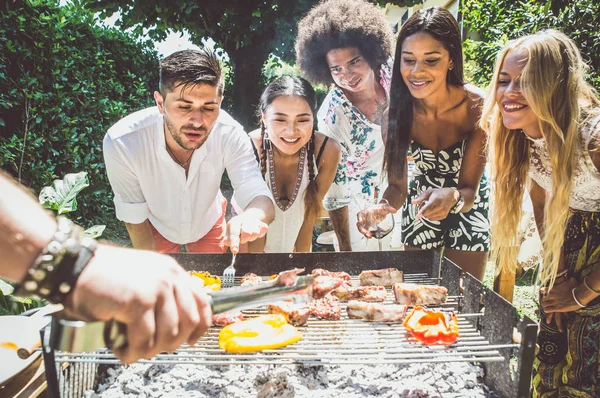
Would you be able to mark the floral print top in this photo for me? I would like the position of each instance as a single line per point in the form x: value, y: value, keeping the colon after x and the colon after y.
x: 358, y: 174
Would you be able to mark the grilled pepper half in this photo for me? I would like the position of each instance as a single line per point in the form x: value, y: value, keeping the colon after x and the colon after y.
x: 264, y: 332
x: 432, y: 327
x: 211, y: 282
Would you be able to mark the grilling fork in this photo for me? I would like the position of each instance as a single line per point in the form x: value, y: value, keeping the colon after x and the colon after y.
x: 228, y: 279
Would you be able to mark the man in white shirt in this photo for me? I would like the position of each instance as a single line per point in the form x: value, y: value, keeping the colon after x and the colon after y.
x: 165, y: 165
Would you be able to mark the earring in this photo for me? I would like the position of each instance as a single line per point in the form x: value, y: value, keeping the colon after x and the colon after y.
x: 451, y: 67
x: 267, y: 142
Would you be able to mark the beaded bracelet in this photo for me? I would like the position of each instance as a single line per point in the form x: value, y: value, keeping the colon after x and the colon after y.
x: 575, y: 298
x: 55, y: 271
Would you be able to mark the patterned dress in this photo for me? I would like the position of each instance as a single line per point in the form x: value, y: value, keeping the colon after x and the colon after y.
x: 568, y: 363
x: 468, y: 231
x: 358, y: 180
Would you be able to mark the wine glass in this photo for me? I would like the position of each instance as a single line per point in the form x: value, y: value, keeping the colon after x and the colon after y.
x: 378, y: 221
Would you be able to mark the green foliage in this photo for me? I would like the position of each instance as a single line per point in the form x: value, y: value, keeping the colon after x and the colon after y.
x: 11, y: 305
x: 497, y: 21
x: 62, y: 195
x: 64, y: 81
x: 247, y: 30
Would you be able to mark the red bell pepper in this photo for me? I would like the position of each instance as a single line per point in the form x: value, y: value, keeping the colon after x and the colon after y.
x: 432, y: 327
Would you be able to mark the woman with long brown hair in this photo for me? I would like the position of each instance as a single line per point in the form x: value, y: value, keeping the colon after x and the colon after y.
x: 543, y: 122
x: 435, y: 115
x: 297, y: 162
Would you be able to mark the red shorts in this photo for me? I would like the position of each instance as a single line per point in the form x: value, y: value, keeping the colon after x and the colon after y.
x: 209, y: 243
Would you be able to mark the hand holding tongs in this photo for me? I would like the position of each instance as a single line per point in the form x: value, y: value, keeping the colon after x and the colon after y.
x: 287, y: 286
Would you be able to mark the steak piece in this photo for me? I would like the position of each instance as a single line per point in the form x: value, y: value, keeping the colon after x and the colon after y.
x: 227, y: 318
x: 326, y: 308
x: 250, y: 279
x: 381, y: 277
x: 376, y: 311
x: 362, y: 293
x: 295, y: 314
x: 339, y: 275
x: 412, y: 294
x: 324, y: 284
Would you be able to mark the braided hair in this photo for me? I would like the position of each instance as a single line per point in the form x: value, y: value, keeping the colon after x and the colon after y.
x: 288, y: 85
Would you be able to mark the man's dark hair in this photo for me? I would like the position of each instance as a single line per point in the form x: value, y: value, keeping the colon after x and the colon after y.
x: 188, y: 68
x: 337, y: 24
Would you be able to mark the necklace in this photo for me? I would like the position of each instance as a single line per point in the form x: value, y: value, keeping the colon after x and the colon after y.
x: 299, y: 175
x: 184, y: 164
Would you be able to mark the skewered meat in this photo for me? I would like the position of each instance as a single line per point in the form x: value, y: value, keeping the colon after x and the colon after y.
x: 227, y: 318
x: 295, y: 314
x: 381, y: 277
x: 250, y: 279
x: 322, y: 272
x: 326, y: 308
x: 362, y: 293
x: 376, y: 311
x: 324, y: 284
x: 411, y: 294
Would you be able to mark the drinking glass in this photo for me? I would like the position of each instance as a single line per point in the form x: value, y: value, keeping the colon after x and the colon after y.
x: 378, y: 221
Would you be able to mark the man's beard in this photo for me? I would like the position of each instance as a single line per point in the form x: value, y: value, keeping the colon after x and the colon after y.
x: 178, y: 136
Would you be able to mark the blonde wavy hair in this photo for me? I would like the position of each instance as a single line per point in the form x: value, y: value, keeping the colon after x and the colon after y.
x: 553, y: 83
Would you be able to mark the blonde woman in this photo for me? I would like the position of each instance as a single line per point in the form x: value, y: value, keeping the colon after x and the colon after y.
x: 543, y: 122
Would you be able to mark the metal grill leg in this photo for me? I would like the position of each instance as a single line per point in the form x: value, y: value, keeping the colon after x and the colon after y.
x: 49, y: 362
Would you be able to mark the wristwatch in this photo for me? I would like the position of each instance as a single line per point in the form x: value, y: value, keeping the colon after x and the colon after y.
x: 459, y: 204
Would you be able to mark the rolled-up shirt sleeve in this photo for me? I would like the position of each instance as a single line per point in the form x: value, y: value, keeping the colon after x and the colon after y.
x: 334, y: 127
x: 243, y: 171
x: 130, y: 204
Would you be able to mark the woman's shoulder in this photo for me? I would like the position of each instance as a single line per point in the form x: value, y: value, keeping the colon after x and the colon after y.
x: 475, y: 94
x: 331, y: 146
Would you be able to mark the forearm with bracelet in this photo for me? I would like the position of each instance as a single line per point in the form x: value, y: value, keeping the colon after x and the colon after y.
x: 56, y: 270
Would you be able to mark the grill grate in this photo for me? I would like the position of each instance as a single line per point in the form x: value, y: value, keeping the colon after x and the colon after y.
x: 341, y: 342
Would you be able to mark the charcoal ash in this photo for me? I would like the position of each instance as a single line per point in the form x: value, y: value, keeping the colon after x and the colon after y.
x: 421, y: 380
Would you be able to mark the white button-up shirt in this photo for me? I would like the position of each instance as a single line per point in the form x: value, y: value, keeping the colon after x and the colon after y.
x: 148, y: 184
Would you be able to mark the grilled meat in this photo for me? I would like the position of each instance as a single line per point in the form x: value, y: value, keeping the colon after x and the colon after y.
x: 227, y: 318
x: 326, y: 308
x: 376, y: 311
x: 295, y: 314
x: 412, y: 294
x: 381, y: 277
x: 250, y: 279
x: 324, y: 284
x: 362, y: 293
x: 339, y: 275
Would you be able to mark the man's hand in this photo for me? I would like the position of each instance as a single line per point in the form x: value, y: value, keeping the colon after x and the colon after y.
x: 435, y: 203
x: 161, y: 304
x: 244, y: 228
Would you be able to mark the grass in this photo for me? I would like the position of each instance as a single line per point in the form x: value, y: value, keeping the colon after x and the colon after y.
x: 525, y: 295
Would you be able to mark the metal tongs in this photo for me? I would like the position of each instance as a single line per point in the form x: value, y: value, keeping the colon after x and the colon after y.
x: 78, y: 336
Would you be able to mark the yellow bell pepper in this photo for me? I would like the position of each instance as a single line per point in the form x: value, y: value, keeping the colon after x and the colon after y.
x: 211, y: 282
x: 264, y: 332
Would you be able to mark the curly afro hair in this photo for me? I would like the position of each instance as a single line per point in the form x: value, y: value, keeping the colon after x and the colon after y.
x: 336, y: 24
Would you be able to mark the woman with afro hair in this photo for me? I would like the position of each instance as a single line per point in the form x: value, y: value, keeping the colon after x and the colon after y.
x: 347, y: 44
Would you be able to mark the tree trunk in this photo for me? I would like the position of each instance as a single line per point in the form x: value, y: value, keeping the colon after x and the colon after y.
x: 247, y: 83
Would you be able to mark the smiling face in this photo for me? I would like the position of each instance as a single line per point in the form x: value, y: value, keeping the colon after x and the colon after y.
x: 515, y: 110
x: 289, y: 123
x: 424, y: 65
x: 349, y: 69
x: 189, y: 113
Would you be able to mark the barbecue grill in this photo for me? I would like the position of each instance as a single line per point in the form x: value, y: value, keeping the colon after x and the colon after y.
x: 486, y: 321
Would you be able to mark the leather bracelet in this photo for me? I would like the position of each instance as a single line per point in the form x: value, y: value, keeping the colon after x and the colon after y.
x: 55, y: 271
x: 575, y: 298
x: 589, y: 288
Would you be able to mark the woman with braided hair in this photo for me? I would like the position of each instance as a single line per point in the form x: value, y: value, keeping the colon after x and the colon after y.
x: 297, y: 162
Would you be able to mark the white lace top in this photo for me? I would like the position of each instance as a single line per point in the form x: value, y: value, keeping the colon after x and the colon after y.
x: 585, y: 193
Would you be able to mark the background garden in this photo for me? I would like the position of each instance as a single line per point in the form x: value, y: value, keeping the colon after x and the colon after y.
x: 65, y: 78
